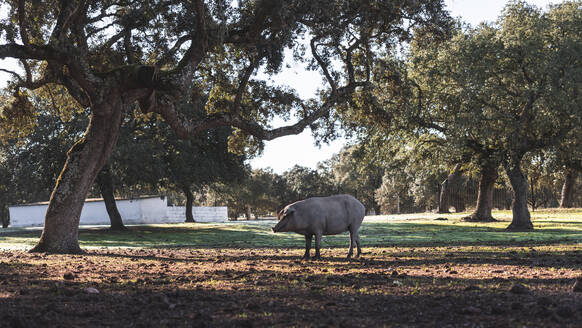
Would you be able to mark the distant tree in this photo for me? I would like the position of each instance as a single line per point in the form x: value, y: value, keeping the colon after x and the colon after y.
x: 566, y: 158
x: 150, y: 155
x: 262, y: 198
x: 302, y: 182
x: 393, y: 194
x: 447, y: 193
x: 356, y: 176
x: 105, y: 182
x: 413, y: 162
x: 254, y: 192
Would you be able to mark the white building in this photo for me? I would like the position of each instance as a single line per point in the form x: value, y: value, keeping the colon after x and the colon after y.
x: 143, y: 210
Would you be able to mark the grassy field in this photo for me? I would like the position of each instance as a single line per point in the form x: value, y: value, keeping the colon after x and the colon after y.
x: 551, y: 227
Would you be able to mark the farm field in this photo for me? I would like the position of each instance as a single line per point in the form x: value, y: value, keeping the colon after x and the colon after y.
x: 415, y: 272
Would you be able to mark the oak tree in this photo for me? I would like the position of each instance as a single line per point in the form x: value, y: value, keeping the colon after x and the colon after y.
x: 165, y: 55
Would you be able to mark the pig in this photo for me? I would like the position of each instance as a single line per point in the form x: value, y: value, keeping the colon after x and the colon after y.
x: 319, y: 216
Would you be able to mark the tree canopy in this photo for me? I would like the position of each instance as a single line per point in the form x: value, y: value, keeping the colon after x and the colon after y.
x: 491, y: 94
x: 165, y: 56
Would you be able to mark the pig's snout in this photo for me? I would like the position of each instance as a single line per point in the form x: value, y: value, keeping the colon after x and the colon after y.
x: 273, y: 229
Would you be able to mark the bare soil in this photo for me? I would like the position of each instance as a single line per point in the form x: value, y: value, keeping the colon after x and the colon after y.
x: 469, y: 286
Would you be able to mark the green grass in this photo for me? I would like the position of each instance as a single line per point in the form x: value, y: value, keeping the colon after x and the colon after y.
x: 552, y: 227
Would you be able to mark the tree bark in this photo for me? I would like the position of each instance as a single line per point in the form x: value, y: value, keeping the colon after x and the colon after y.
x: 484, y: 207
x: 84, y: 161
x: 446, y: 189
x: 4, y: 215
x: 521, y: 220
x: 397, y: 204
x: 105, y: 181
x: 189, y: 202
x: 458, y: 202
x: 566, y: 200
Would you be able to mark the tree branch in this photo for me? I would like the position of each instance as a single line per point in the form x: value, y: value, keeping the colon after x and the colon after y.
x: 13, y: 73
x: 185, y: 128
x: 170, y: 53
x: 200, y: 42
x: 17, y: 51
x: 244, y: 80
x: 66, y: 11
x: 23, y: 23
x: 323, y: 65
x: 349, y: 64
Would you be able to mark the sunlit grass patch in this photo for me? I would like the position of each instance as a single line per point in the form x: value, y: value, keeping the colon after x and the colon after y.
x: 552, y: 227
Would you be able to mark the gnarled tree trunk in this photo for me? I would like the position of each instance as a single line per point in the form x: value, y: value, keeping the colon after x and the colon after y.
x: 84, y: 161
x: 566, y: 200
x: 521, y: 217
x: 189, y: 202
x: 446, y: 189
x: 484, y: 207
x: 105, y: 181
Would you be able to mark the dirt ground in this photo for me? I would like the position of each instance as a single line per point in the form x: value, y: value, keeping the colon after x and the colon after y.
x: 527, y: 286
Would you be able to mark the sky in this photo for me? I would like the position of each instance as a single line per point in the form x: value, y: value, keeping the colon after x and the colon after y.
x: 283, y: 153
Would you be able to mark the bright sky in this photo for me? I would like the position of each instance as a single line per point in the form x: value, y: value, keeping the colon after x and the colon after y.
x: 283, y: 153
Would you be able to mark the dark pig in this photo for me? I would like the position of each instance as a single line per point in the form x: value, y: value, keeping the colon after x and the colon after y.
x: 320, y: 216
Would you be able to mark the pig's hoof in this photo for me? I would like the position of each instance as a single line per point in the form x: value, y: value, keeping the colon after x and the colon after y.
x: 305, y: 258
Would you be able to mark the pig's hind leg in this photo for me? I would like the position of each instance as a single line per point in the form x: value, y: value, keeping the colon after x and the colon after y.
x: 308, y: 239
x: 352, y: 242
x: 317, y: 246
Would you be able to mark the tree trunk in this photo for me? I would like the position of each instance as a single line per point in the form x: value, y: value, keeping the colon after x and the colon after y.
x: 84, y: 161
x: 397, y: 204
x: 521, y: 218
x: 482, y: 213
x: 248, y: 213
x: 446, y: 189
x: 4, y: 215
x: 105, y: 181
x: 532, y: 194
x: 566, y: 201
x: 458, y: 202
x: 189, y: 202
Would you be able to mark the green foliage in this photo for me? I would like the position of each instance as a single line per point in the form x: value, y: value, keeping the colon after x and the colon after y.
x: 354, y: 175
x: 17, y: 116
x: 33, y: 163
x: 489, y: 94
